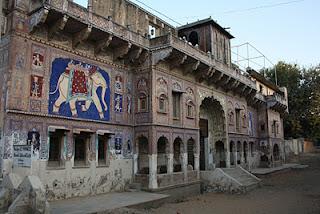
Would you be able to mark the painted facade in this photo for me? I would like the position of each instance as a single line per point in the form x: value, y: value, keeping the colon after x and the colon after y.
x: 90, y: 109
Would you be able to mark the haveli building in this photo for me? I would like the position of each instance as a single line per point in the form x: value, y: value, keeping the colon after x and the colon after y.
x: 93, y: 99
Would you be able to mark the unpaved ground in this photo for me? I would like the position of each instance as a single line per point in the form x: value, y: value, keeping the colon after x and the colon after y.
x: 290, y: 192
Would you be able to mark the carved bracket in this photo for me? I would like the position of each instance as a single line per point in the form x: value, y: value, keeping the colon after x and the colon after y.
x: 178, y: 61
x: 81, y: 36
x: 135, y: 54
x: 103, y: 44
x: 121, y: 51
x: 58, y: 26
x: 161, y: 55
x: 38, y: 18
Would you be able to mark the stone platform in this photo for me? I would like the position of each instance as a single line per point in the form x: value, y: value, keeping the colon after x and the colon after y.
x: 266, y: 171
x: 104, y: 203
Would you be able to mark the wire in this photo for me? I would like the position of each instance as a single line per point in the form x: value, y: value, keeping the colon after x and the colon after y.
x: 252, y: 8
x: 263, y: 6
x: 162, y: 14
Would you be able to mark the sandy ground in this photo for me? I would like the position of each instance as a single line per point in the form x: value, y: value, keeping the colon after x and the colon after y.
x: 289, y: 192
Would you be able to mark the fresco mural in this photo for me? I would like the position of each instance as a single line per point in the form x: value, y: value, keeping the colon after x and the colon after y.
x: 36, y: 86
x: 79, y: 90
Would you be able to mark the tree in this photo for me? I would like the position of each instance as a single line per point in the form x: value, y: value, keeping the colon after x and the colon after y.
x: 303, y: 87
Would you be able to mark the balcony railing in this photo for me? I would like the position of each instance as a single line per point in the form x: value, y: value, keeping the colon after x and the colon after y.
x: 82, y: 14
x: 277, y: 98
x: 207, y: 58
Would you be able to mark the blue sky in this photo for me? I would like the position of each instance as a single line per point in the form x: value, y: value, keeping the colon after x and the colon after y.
x: 289, y: 32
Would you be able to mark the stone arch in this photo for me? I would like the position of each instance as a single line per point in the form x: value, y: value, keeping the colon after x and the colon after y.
x: 142, y: 149
x: 276, y: 152
x: 191, y: 150
x: 163, y: 148
x: 213, y: 114
x: 178, y: 150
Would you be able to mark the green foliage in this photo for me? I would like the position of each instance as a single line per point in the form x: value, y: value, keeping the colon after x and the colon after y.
x: 303, y: 87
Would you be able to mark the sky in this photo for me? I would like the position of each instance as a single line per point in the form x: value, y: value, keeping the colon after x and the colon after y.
x: 280, y: 29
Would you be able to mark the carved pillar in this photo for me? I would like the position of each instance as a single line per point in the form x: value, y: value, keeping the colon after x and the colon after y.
x: 228, y: 159
x: 135, y: 163
x: 184, y: 165
x: 170, y: 163
x: 153, y: 184
x: 235, y: 155
x: 197, y: 164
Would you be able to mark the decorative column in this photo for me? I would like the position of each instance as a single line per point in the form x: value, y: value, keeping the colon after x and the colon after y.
x: 197, y: 164
x: 170, y: 163
x: 235, y: 156
x: 184, y: 165
x: 135, y: 163
x: 153, y: 184
x: 228, y: 159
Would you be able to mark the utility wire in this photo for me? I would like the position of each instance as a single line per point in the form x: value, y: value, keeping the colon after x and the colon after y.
x: 252, y: 8
x: 162, y: 14
x: 263, y: 6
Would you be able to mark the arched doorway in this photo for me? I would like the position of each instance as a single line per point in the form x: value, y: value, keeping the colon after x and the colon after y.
x: 212, y: 129
x: 238, y: 152
x: 194, y: 38
x: 162, y: 151
x: 220, y: 155
x: 143, y: 155
x: 276, y: 152
x: 177, y: 151
x: 232, y: 150
x: 191, y: 150
x: 245, y: 151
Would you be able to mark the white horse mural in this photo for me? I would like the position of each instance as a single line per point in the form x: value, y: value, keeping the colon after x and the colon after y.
x: 80, y: 83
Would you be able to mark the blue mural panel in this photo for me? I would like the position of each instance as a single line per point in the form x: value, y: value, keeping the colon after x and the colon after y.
x: 79, y: 90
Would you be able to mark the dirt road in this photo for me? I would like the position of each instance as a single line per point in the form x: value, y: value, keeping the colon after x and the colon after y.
x: 290, y: 192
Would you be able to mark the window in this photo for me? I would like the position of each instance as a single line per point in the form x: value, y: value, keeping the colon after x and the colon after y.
x: 194, y: 38
x: 176, y: 105
x: 262, y: 127
x: 190, y: 109
x: 277, y: 128
x: 238, y: 120
x: 102, y: 150
x: 152, y: 32
x: 162, y: 103
x: 81, y: 142
x: 261, y: 89
x: 231, y: 117
x: 143, y: 103
x: 56, y: 141
x: 244, y: 120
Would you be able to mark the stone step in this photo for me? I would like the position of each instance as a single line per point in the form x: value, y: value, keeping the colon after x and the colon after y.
x: 134, y: 187
x: 242, y: 177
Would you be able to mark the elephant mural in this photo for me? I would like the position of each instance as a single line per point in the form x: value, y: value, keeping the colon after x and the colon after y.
x: 79, y: 90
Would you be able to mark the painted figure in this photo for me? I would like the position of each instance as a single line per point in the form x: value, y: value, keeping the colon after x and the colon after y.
x: 34, y: 139
x: 118, y: 103
x: 80, y: 83
x: 36, y: 86
x: 37, y: 60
